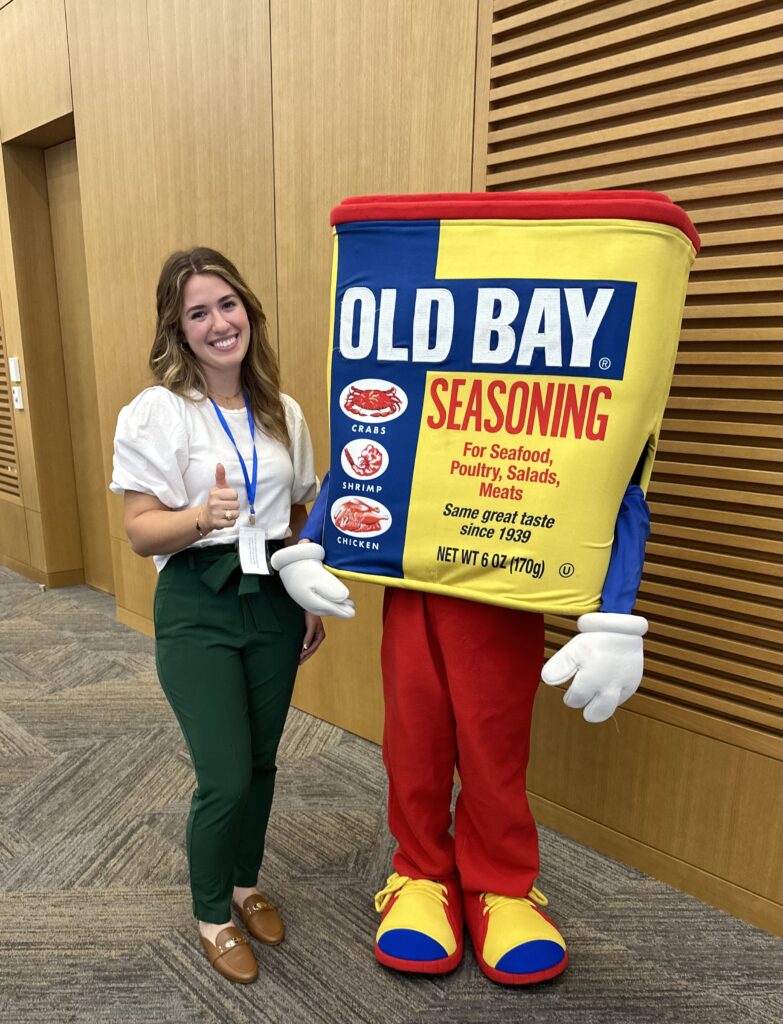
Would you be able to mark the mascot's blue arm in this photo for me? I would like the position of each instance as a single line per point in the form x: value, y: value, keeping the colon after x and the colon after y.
x: 314, y: 527
x: 625, y: 565
x: 627, y: 559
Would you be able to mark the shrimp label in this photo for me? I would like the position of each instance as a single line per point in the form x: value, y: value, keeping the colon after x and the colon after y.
x: 495, y: 386
x: 364, y: 460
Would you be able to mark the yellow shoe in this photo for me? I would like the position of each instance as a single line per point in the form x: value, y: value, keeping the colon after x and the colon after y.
x: 514, y: 941
x: 421, y: 929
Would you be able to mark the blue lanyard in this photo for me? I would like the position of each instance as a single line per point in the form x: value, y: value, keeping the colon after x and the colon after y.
x: 249, y: 484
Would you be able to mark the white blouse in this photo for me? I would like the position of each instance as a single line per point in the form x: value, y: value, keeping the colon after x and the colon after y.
x: 169, y: 446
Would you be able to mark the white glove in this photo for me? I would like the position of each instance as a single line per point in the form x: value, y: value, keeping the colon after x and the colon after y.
x: 309, y: 584
x: 606, y: 659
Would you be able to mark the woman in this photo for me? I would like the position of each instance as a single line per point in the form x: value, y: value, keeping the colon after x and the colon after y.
x: 215, y: 465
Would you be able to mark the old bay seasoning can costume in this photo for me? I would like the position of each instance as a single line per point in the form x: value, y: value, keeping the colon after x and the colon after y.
x: 499, y: 367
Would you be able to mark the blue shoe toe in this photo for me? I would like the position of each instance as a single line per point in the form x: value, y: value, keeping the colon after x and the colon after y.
x: 531, y: 957
x: 408, y: 944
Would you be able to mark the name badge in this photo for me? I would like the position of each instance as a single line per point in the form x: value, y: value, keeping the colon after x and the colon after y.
x: 252, y: 550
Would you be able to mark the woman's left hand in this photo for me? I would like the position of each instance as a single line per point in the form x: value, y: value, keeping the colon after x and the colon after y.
x: 313, y: 638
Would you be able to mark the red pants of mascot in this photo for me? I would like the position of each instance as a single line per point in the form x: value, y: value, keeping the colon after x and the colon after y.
x: 460, y: 679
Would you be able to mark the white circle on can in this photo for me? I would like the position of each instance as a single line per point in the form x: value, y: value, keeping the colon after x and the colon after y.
x: 364, y: 459
x: 358, y: 517
x: 373, y: 400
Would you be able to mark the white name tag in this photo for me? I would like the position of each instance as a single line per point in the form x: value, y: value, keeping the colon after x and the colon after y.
x: 252, y: 550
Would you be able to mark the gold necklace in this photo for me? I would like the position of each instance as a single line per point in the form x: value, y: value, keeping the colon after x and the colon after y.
x: 226, y: 398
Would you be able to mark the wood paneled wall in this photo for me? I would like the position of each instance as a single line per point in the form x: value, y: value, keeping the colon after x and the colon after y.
x: 38, y: 527
x: 172, y: 108
x: 367, y: 99
x: 683, y: 99
x: 35, y: 80
x: 239, y: 123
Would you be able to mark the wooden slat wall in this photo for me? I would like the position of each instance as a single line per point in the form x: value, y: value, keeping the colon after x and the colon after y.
x: 682, y: 98
x: 9, y: 470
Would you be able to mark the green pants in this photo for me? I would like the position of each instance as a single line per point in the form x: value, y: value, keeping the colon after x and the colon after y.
x: 227, y: 648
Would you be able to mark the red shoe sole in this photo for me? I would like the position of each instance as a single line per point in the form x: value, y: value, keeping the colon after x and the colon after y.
x: 444, y: 966
x: 503, y: 978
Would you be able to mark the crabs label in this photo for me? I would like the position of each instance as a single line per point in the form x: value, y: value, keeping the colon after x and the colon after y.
x: 373, y: 399
x: 357, y: 516
x: 364, y: 460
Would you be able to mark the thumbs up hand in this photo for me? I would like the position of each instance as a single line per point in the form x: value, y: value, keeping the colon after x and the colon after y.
x: 222, y: 506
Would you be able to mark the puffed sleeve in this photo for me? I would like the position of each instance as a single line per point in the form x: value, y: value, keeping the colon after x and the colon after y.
x: 305, y: 485
x: 151, y: 448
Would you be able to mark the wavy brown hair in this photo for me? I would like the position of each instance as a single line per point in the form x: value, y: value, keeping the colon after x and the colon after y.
x: 175, y: 367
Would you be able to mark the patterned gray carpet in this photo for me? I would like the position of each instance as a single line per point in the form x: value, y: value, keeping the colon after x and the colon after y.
x: 95, y: 921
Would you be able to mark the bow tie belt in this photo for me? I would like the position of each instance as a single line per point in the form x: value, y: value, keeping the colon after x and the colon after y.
x: 222, y: 561
x: 218, y: 566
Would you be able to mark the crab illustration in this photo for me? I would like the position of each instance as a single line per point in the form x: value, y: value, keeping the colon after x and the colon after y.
x: 357, y: 516
x: 372, y: 402
x: 367, y: 462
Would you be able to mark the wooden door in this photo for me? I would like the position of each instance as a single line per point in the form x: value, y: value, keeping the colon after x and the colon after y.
x: 62, y: 176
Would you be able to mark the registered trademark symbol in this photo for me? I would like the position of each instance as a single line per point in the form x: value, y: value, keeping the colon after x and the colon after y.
x: 566, y: 570
x: 605, y: 363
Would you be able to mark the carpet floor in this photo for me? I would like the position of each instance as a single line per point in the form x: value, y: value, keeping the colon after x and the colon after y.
x: 95, y: 922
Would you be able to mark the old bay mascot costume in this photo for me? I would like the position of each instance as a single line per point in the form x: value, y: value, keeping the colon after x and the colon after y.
x: 499, y: 366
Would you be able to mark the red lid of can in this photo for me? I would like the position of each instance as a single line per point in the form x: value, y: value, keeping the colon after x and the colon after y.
x: 600, y: 204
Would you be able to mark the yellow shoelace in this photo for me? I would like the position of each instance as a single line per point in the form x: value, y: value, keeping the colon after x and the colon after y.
x: 534, y: 898
x: 423, y: 886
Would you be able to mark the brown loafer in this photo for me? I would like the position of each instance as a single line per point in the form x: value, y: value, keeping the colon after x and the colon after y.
x: 261, y: 919
x: 231, y: 955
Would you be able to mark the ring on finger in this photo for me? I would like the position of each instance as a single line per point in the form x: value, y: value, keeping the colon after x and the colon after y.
x: 229, y: 515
